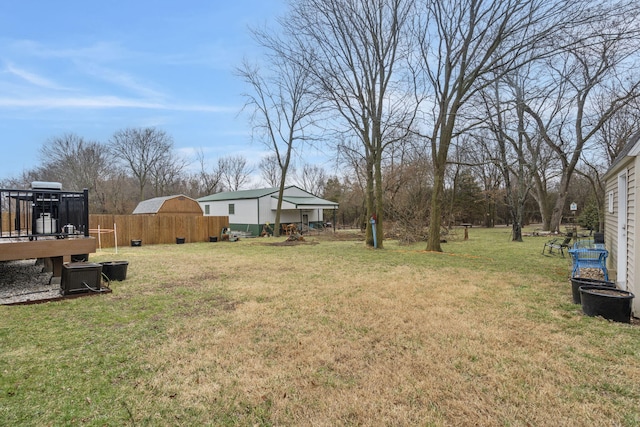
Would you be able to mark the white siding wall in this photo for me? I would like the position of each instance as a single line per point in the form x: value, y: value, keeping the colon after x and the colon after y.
x: 215, y: 208
x: 611, y: 226
x: 266, y: 215
x: 245, y: 210
x: 632, y: 231
x: 611, y: 222
x: 287, y: 217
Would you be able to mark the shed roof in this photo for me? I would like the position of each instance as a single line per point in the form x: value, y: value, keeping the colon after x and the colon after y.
x: 152, y: 206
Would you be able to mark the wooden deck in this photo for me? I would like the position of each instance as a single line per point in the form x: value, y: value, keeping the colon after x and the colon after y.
x: 58, y: 251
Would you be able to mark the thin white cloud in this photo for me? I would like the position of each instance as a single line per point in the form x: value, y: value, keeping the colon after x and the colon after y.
x: 123, y: 80
x: 98, y: 102
x: 32, y: 78
x: 96, y: 52
x: 88, y: 60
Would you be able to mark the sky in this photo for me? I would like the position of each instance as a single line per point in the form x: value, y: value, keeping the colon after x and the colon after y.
x: 93, y: 68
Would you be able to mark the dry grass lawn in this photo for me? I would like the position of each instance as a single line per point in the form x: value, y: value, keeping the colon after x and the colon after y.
x: 331, y: 333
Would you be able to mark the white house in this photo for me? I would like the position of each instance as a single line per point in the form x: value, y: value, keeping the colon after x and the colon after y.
x: 621, y: 222
x: 250, y: 210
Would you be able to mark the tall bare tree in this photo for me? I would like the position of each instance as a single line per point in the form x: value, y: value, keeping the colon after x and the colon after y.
x: 235, y: 172
x: 283, y: 105
x: 311, y: 178
x: 167, y: 175
x: 355, y: 49
x: 508, y: 143
x: 78, y: 163
x: 610, y: 139
x: 270, y: 170
x: 464, y: 44
x: 210, y: 178
x: 141, y: 150
x: 596, y: 78
x: 614, y: 135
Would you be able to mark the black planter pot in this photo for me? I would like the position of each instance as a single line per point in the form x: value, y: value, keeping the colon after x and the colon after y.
x: 213, y: 238
x: 610, y: 303
x: 136, y: 243
x: 576, y: 282
x: 115, y: 270
x: 180, y: 240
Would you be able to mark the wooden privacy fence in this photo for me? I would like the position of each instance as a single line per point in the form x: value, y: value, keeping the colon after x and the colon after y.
x: 155, y: 229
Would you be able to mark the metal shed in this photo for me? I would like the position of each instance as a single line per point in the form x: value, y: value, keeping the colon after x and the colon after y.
x: 168, y: 205
x: 250, y: 210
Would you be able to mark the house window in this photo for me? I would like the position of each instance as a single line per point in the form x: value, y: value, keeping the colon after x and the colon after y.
x: 206, y: 210
x: 232, y: 208
x: 610, y: 201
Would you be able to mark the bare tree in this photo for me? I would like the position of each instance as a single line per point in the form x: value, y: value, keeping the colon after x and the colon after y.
x: 596, y: 78
x: 210, y: 180
x: 270, y: 170
x: 141, y: 150
x: 283, y: 105
x: 613, y: 135
x: 508, y: 144
x: 234, y: 171
x: 463, y: 44
x: 311, y: 178
x: 167, y: 175
x: 355, y: 50
x: 77, y: 163
x: 609, y: 142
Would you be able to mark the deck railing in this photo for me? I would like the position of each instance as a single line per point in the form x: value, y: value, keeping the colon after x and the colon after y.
x: 43, y: 213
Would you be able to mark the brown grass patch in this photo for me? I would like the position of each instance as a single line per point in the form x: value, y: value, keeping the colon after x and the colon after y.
x: 324, y: 334
x: 399, y: 345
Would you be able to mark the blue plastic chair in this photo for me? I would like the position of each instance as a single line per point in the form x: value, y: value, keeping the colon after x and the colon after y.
x: 589, y: 258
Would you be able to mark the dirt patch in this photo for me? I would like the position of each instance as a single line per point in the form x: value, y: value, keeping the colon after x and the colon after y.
x: 221, y: 302
x: 609, y: 292
x: 291, y: 243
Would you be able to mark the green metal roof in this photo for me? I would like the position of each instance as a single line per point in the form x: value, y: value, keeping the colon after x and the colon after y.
x: 239, y: 195
x: 300, y: 201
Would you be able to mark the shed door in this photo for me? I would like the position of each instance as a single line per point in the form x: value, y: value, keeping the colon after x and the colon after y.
x: 621, y: 276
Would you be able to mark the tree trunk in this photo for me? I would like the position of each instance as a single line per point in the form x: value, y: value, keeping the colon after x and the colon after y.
x: 435, y: 216
x: 556, y: 215
x: 558, y: 209
x: 379, y: 206
x: 516, y: 228
x: 370, y: 201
